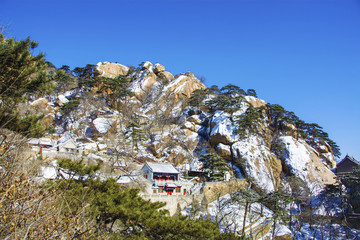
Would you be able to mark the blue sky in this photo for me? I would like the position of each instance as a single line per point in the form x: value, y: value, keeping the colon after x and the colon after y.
x: 301, y: 54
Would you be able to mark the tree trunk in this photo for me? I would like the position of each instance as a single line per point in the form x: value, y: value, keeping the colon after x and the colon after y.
x: 244, y: 221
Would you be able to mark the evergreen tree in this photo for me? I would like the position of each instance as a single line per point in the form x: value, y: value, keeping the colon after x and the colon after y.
x: 68, y: 107
x: 250, y: 121
x: 86, y: 75
x: 251, y: 92
x: 64, y: 80
x: 115, y: 88
x: 281, y: 121
x: 197, y: 97
x: 136, y: 134
x: 19, y: 69
x: 278, y: 202
x: 21, y: 75
x: 232, y: 90
x: 121, y: 213
x: 215, y: 166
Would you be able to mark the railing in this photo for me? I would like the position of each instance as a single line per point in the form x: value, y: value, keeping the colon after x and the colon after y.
x: 160, y: 182
x: 165, y: 196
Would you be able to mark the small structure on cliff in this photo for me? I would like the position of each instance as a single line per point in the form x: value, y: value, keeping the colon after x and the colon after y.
x: 164, y: 178
x: 346, y: 165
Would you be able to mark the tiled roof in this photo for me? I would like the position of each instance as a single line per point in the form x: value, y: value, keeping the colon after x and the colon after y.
x: 162, y: 168
x: 349, y: 158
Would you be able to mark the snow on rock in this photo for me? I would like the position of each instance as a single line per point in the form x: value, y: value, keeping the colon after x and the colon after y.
x: 232, y: 216
x: 94, y: 156
x: 255, y: 102
x: 103, y: 125
x: 327, y: 231
x: 126, y: 179
x: 91, y: 147
x: 143, y: 84
x: 224, y: 151
x: 189, y: 125
x: 111, y: 70
x: 41, y: 102
x: 259, y: 165
x: 223, y: 129
x: 282, y: 232
x: 303, y: 162
x: 61, y: 100
x: 148, y: 66
x: 102, y: 146
x: 158, y: 68
x: 47, y: 172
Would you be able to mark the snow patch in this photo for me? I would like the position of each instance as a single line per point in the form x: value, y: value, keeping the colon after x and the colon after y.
x: 103, y: 124
x: 256, y: 157
x: 62, y: 99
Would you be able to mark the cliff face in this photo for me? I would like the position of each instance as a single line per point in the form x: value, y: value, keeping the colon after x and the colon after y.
x: 158, y: 93
x: 156, y: 123
x: 173, y: 131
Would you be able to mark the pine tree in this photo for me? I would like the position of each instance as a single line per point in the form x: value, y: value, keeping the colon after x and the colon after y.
x: 197, y: 97
x: 250, y: 121
x: 121, y: 213
x: 278, y: 202
x: 136, y: 134
x: 21, y: 75
x: 19, y: 69
x: 215, y: 166
x: 115, y: 88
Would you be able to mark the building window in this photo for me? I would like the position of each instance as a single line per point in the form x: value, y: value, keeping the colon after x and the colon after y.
x: 161, y: 190
x: 154, y: 190
x: 177, y: 190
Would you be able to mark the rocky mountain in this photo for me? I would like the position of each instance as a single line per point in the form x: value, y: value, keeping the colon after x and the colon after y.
x: 158, y: 121
x: 176, y: 132
x: 158, y: 96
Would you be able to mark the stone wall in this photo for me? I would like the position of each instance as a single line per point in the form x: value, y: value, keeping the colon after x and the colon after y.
x: 171, y: 201
x: 214, y: 190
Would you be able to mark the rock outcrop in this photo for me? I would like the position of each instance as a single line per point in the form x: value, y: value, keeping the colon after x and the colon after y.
x: 111, y: 70
x: 159, y: 96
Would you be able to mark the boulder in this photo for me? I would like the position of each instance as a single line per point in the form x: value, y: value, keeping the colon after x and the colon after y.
x: 224, y: 151
x: 156, y: 148
x: 222, y: 129
x: 258, y: 163
x: 158, y: 68
x: 48, y: 119
x: 195, y: 119
x: 111, y: 70
x: 188, y: 125
x: 255, y: 102
x: 103, y: 125
x: 61, y: 100
x: 40, y: 103
x: 166, y: 76
x: 303, y: 162
x: 147, y: 66
x: 143, y: 84
x: 174, y: 96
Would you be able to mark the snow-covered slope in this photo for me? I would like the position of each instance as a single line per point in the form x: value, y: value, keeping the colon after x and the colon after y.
x: 170, y: 130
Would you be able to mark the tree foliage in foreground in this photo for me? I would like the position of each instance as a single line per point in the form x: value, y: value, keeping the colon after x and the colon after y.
x: 121, y: 213
x: 214, y: 166
x: 21, y: 75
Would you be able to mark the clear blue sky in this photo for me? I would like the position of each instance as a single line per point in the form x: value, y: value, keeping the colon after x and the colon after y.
x: 301, y: 54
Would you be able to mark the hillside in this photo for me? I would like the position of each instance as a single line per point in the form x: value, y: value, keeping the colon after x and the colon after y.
x: 169, y: 129
x: 155, y: 116
x: 245, y: 164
